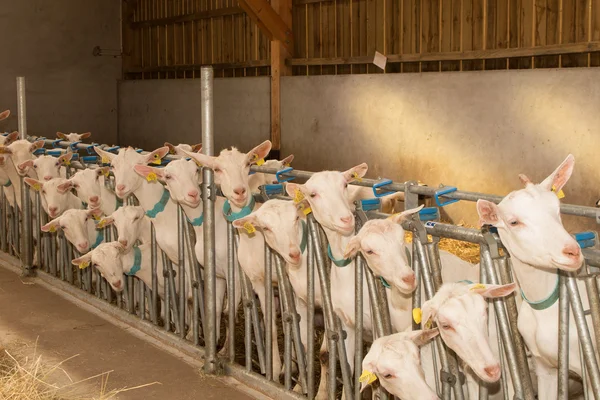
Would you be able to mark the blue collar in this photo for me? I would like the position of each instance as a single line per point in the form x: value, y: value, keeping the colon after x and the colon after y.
x: 198, y: 221
x: 99, y: 238
x: 137, y: 262
x: 7, y: 184
x: 244, y: 212
x: 339, y: 263
x: 160, y: 206
x: 548, y: 301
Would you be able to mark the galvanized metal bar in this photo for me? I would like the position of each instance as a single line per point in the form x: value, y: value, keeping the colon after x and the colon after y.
x: 173, y: 292
x: 589, y: 355
x: 3, y: 222
x: 22, y: 107
x: 26, y: 233
x: 563, y: 339
x: 41, y: 220
x: 154, y: 262
x: 483, y: 389
x: 310, y: 320
x: 376, y: 306
x: 584, y: 375
x: 167, y: 296
x: 268, y: 311
x: 591, y: 286
x: 231, y: 298
x: 359, y: 272
x: 181, y: 225
x: 197, y: 284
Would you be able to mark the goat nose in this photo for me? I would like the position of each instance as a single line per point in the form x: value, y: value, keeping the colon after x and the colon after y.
x: 193, y: 193
x: 294, y: 255
x: 47, y: 178
x: 83, y: 245
x: 572, y: 251
x: 239, y: 191
x: 346, y: 219
x: 492, y: 371
x: 121, y: 187
x: 53, y: 209
x: 117, y: 284
x: 94, y: 199
x: 409, y: 279
x: 123, y: 242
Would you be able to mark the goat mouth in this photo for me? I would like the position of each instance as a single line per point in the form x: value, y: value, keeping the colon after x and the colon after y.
x: 192, y: 203
x: 344, y: 229
x: 573, y: 266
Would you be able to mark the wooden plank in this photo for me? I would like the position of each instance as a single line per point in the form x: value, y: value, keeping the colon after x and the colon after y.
x: 467, y: 25
x: 176, y: 68
x: 477, y: 33
x: 456, y: 25
x: 446, y: 25
x: 272, y: 25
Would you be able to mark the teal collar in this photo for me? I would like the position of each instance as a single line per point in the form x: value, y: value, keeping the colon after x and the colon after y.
x: 137, y: 262
x: 384, y: 283
x: 99, y: 238
x: 160, y: 206
x: 197, y: 221
x: 244, y: 212
x: 339, y: 263
x: 465, y: 281
x: 7, y: 184
x: 304, y: 237
x: 548, y: 301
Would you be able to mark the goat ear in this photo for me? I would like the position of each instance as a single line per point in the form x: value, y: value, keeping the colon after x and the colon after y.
x: 51, y: 226
x: 102, y: 171
x: 423, y: 337
x: 525, y: 180
x: 35, y: 184
x: 353, y: 247
x: 83, y: 261
x: 428, y: 312
x: 4, y: 114
x: 105, y: 155
x: 201, y: 159
x: 11, y: 138
x: 404, y: 215
x: 356, y: 173
x: 489, y: 213
x: 171, y: 148
x: 197, y: 147
x: 104, y: 222
x: 61, y: 135
x: 149, y: 173
x: 25, y: 165
x: 556, y: 180
x: 5, y: 150
x: 85, y: 135
x: 293, y: 189
x: 493, y: 291
x: 241, y: 223
x: 156, y: 156
x: 260, y: 151
x: 65, y: 187
x: 288, y: 160
x: 36, y: 145
x: 65, y: 159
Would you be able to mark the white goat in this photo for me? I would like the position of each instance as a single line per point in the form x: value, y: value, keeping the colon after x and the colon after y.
x: 79, y: 228
x: 5, y: 181
x: 395, y: 360
x: 90, y: 187
x: 231, y: 169
x: 14, y: 154
x: 530, y: 226
x: 47, y: 167
x: 176, y: 150
x: 73, y: 137
x: 55, y: 199
x: 132, y: 225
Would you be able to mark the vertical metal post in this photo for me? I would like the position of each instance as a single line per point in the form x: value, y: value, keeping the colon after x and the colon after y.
x: 26, y: 232
x: 181, y: 225
x: 563, y: 339
x: 154, y: 261
x: 310, y: 321
x: 22, y: 107
x: 208, y: 197
x: 358, y: 339
x: 3, y: 225
x: 483, y: 389
x: 591, y: 286
x: 231, y: 298
x: 269, y: 315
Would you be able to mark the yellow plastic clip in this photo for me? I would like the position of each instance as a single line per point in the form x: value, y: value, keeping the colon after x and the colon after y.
x: 299, y: 196
x: 66, y: 162
x: 249, y: 228
x: 560, y: 194
x: 151, y: 177
x: 84, y: 265
x: 367, y: 377
x: 417, y: 315
x: 157, y: 159
x: 355, y: 176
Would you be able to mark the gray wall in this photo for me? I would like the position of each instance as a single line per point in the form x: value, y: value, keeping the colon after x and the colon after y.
x: 476, y: 131
x: 50, y: 43
x: 154, y: 111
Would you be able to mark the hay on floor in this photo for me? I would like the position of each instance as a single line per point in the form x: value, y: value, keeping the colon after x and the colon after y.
x: 464, y: 250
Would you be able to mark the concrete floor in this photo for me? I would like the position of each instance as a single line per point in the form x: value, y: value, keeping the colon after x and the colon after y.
x: 30, y: 313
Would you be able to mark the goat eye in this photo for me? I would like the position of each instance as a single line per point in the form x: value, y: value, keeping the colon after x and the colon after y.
x: 76, y: 186
x: 313, y: 195
x: 63, y: 228
x: 446, y: 326
x: 217, y: 170
x: 370, y: 252
x: 43, y: 192
x: 167, y: 177
x: 57, y: 164
x: 266, y: 229
x: 388, y: 376
x: 345, y: 185
x: 34, y: 166
x: 297, y: 218
x: 514, y: 222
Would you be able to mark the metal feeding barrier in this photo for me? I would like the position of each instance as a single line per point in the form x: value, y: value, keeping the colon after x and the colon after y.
x: 180, y: 295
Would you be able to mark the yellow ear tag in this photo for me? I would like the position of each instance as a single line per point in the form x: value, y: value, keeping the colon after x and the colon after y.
x: 84, y: 265
x: 157, y: 159
x: 66, y: 163
x: 298, y: 197
x: 355, y: 176
x: 106, y: 172
x: 37, y: 187
x: 52, y: 229
x: 417, y: 315
x: 96, y: 217
x: 287, y: 165
x: 101, y: 224
x: 367, y: 377
x: 198, y: 163
x: 151, y: 177
x: 305, y: 209
x: 478, y: 286
x: 249, y: 228
x: 259, y: 162
x: 560, y: 193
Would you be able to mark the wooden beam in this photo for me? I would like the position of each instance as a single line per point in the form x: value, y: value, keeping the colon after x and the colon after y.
x: 197, y: 16
x: 570, y: 48
x: 270, y: 21
x: 189, y: 67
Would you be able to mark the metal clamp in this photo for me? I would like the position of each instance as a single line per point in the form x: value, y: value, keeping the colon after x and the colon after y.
x: 54, y: 153
x: 419, y: 229
x: 273, y: 190
x: 586, y: 239
x: 284, y: 171
x: 429, y: 214
x: 377, y: 186
x: 491, y: 242
x: 443, y: 191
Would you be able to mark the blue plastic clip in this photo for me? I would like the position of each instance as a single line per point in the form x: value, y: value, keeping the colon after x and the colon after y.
x: 493, y: 229
x: 56, y: 142
x: 139, y: 150
x: 5, y: 134
x: 379, y: 185
x: 39, y: 152
x: 251, y: 173
x: 165, y: 161
x: 90, y: 159
x: 54, y: 153
x: 90, y: 149
x: 275, y: 189
x: 443, y: 191
x: 284, y: 171
x: 113, y: 149
x: 585, y: 239
x: 73, y: 146
x: 429, y: 214
x: 370, y: 204
x: 75, y: 157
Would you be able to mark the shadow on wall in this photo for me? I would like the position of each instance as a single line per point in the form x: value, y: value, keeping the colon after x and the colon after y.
x: 476, y: 131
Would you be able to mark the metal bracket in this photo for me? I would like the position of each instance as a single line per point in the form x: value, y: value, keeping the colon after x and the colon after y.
x: 444, y: 190
x: 419, y: 229
x: 490, y: 240
x: 361, y: 216
x: 379, y: 185
x: 451, y: 379
x: 284, y: 171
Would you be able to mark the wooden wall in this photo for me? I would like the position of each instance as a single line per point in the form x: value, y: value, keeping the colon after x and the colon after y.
x: 173, y: 38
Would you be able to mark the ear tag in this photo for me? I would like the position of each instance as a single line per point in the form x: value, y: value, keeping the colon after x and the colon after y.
x: 287, y: 165
x: 198, y: 163
x: 52, y: 229
x: 105, y: 172
x: 478, y: 286
x: 105, y: 160
x: 151, y: 177
x: 393, y: 215
x: 417, y: 314
x: 96, y: 217
x: 37, y: 187
x: 560, y: 193
x: 84, y: 265
x: 355, y: 176
x: 101, y: 224
x: 249, y: 228
x: 298, y: 197
x: 367, y: 377
x: 258, y: 161
x: 157, y: 159
x: 66, y: 163
x: 305, y: 209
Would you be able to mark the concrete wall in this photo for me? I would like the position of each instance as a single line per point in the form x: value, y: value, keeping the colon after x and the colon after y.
x: 51, y: 43
x: 476, y: 131
x: 154, y: 111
